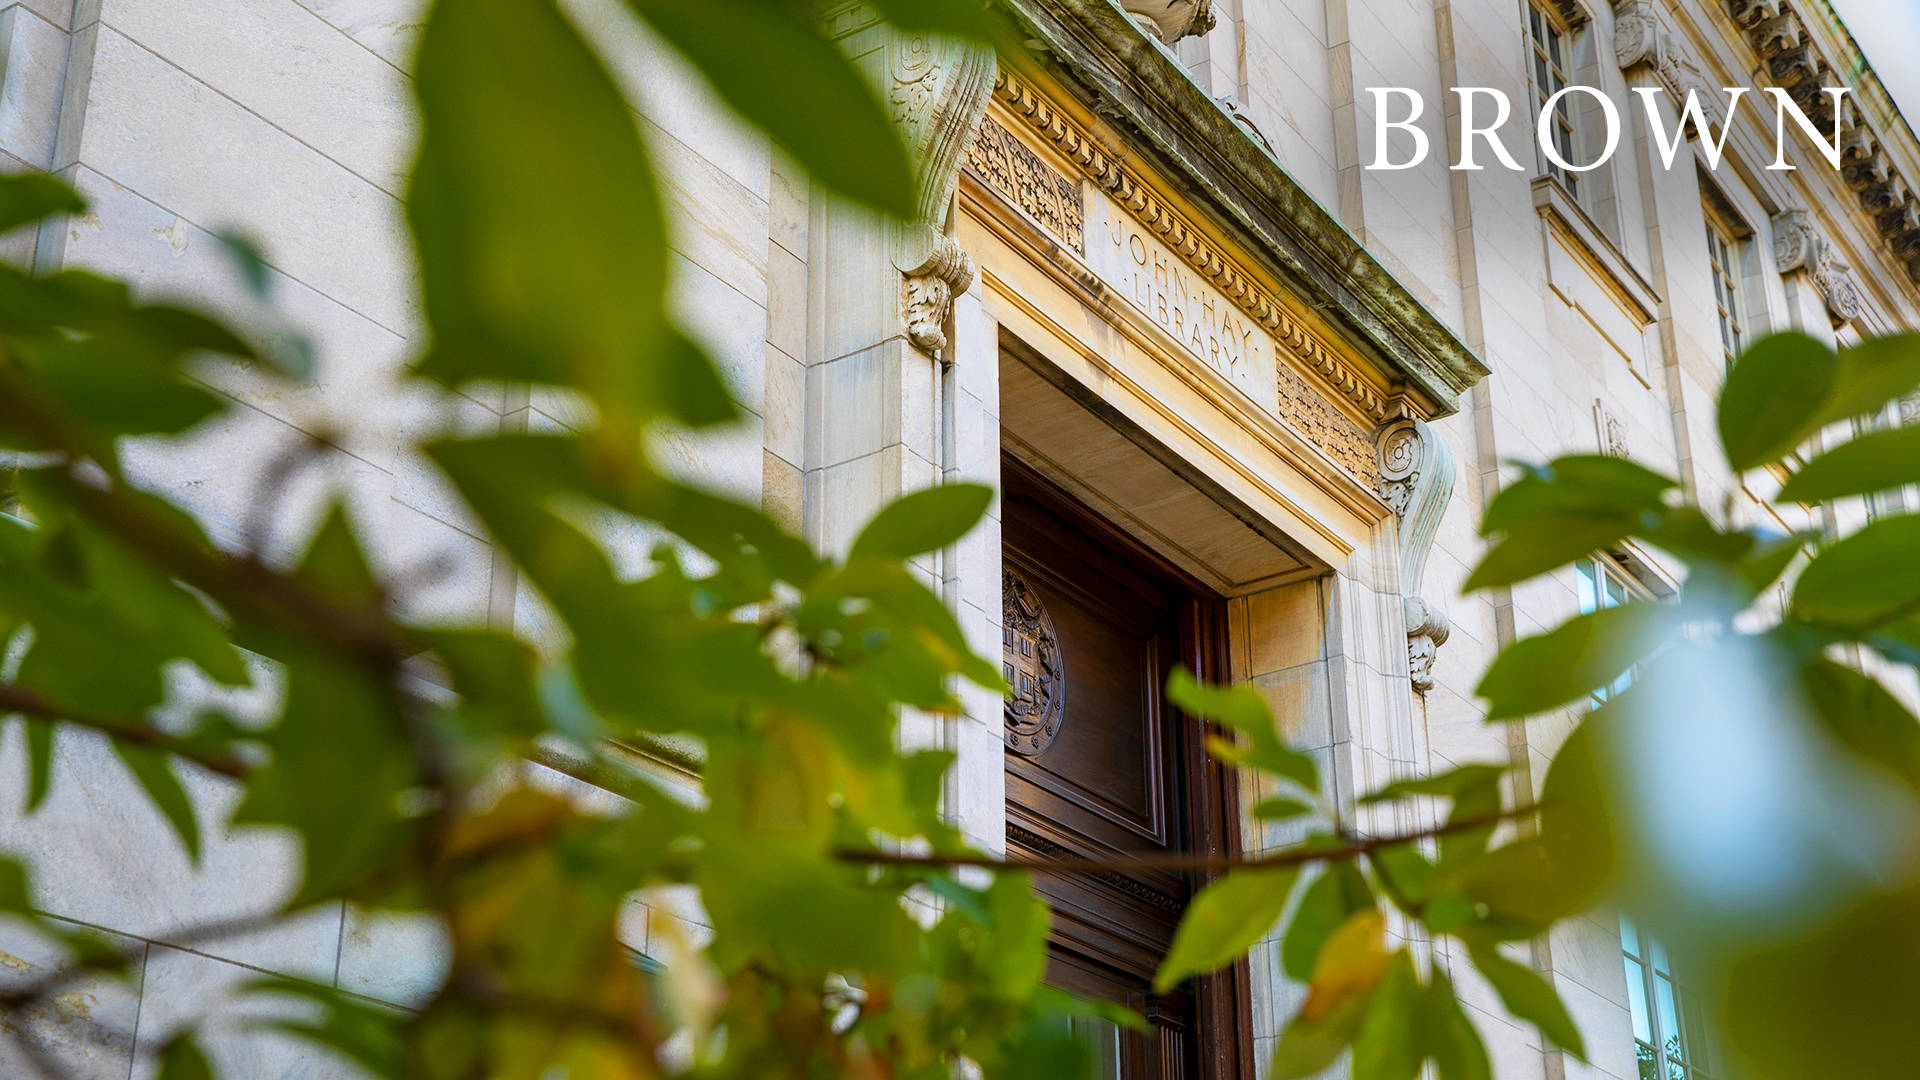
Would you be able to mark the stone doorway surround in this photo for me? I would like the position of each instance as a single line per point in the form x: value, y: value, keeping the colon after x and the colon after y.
x: 1102, y: 317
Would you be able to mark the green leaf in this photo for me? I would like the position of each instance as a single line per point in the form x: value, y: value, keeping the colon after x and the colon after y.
x: 1872, y: 374
x: 151, y: 769
x: 30, y: 196
x: 734, y: 42
x: 1448, y: 784
x: 369, y: 1035
x: 1875, y: 461
x: 533, y: 272
x: 1389, y: 1045
x: 1243, y: 709
x: 922, y: 521
x: 1866, y: 719
x: 1546, y: 543
x: 14, y: 893
x: 1335, y: 896
x: 1774, y: 398
x: 1350, y: 968
x: 40, y: 736
x: 1224, y: 920
x: 1869, y: 577
x: 1589, y: 651
x: 1528, y: 996
x: 182, y: 1060
x: 1451, y: 1038
x: 1826, y: 1000
x: 1279, y: 809
x: 1579, y: 485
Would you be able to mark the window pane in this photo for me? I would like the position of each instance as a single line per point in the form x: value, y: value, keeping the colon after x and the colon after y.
x: 1629, y: 937
x: 1637, y: 1000
x: 1589, y: 594
x: 1668, y: 1019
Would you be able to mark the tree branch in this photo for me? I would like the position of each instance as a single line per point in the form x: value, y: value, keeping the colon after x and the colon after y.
x: 19, y: 699
x: 1352, y: 847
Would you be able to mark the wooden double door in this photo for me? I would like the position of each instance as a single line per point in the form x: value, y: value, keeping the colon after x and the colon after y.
x: 1099, y: 764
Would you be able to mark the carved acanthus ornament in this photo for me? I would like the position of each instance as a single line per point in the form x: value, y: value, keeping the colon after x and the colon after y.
x: 1034, y: 667
x: 1416, y: 480
x: 940, y: 89
x: 1639, y: 37
x: 1799, y: 245
x: 1170, y: 20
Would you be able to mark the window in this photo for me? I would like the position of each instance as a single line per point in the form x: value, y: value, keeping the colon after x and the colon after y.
x: 1604, y: 583
x: 1551, y: 45
x: 1724, y: 248
x: 1669, y: 1030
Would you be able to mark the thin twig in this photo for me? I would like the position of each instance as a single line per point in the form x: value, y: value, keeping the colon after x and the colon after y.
x: 19, y: 699
x: 1180, y: 860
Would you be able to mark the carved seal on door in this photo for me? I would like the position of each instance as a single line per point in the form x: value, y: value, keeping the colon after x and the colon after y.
x: 1035, y: 670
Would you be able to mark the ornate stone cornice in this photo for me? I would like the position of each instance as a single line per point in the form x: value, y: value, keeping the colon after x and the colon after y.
x: 1170, y: 20
x: 1799, y: 245
x: 1780, y: 39
x: 1154, y: 213
x: 1416, y: 480
x: 1640, y: 37
x: 939, y: 88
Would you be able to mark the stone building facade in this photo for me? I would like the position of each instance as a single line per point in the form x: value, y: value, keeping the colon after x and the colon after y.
x: 1153, y: 288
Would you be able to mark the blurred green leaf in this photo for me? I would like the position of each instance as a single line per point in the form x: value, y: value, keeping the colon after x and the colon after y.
x: 1585, y: 653
x: 1224, y: 920
x: 1874, y: 461
x: 1458, y: 1052
x: 156, y: 777
x: 859, y: 154
x: 1280, y: 809
x: 1528, y: 996
x: 922, y: 521
x: 1336, y: 895
x: 533, y: 272
x: 1448, y: 784
x: 1774, y: 398
x: 40, y: 736
x: 1863, y: 579
x: 1871, y: 375
x: 1389, y: 1045
x: 1831, y: 1000
x: 1557, y: 512
x: 1242, y: 709
x: 183, y: 1060
x: 367, y: 1034
x: 1865, y: 718
x: 28, y: 197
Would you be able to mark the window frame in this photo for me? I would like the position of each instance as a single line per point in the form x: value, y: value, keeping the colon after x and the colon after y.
x: 1551, y: 64
x: 1727, y: 242
x: 1657, y: 999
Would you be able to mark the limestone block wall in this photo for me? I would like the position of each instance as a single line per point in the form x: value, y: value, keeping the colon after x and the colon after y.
x: 291, y: 121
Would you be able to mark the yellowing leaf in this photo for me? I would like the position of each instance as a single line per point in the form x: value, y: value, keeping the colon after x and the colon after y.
x: 1351, y: 963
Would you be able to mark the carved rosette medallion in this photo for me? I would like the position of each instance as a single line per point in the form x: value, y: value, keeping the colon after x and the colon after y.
x: 1798, y: 244
x: 1416, y: 480
x: 1033, y: 665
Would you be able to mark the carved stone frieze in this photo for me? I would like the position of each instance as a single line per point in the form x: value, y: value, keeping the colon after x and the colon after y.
x: 1206, y: 258
x: 1910, y: 409
x: 1312, y: 415
x: 940, y: 89
x: 1005, y: 164
x: 1799, y: 245
x: 1416, y: 480
x: 1170, y: 20
x: 1779, y: 38
x: 1640, y: 37
x: 1034, y: 667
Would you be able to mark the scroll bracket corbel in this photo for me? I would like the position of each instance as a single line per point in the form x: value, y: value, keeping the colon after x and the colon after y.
x: 1416, y: 480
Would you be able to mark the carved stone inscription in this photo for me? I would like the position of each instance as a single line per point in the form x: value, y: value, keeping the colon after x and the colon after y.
x: 1035, y: 671
x: 1164, y: 287
x: 1005, y: 164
